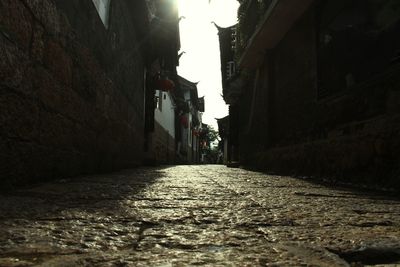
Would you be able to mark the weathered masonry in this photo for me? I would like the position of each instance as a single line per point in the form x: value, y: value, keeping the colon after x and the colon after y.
x: 72, y: 86
x: 317, y: 88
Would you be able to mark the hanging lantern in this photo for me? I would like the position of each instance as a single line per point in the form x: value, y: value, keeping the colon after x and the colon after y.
x: 184, y: 121
x: 165, y: 84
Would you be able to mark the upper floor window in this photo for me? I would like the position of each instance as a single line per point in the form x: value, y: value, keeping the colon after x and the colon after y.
x: 103, y: 8
x: 230, y: 69
x: 357, y: 39
x: 234, y: 40
x: 159, y: 99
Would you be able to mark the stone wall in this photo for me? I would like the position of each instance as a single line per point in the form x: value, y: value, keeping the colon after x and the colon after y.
x: 368, y: 157
x: 163, y: 145
x: 71, y: 92
x: 352, y: 136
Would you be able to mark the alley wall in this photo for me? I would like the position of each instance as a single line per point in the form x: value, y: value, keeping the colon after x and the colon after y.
x: 71, y: 91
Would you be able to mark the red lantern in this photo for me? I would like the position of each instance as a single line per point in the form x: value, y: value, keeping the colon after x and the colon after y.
x: 184, y: 121
x: 165, y: 84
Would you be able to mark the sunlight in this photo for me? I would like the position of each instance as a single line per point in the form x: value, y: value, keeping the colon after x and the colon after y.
x: 199, y: 41
x: 222, y: 12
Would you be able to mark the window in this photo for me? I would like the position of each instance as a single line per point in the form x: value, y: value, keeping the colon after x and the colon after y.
x: 230, y: 69
x: 159, y: 100
x: 103, y: 8
x: 357, y: 39
x: 233, y: 39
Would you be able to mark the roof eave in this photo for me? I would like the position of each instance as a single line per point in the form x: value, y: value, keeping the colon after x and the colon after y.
x: 277, y: 21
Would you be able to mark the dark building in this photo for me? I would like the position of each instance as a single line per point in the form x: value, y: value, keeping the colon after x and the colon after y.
x: 318, y: 89
x: 162, y: 78
x: 223, y: 131
x: 232, y: 83
x: 73, y: 84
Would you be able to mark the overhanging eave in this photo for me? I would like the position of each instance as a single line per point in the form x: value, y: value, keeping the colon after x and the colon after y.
x: 277, y: 21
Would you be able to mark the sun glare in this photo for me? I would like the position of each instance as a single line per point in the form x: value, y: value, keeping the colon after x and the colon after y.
x: 199, y: 41
x: 222, y: 12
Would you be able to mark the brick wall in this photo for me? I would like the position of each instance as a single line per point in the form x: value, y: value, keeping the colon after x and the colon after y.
x: 71, y: 92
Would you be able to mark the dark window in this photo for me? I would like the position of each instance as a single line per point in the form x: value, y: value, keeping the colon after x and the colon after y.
x: 356, y: 40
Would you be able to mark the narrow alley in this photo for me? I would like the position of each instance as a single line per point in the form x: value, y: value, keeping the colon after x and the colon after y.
x: 196, y: 215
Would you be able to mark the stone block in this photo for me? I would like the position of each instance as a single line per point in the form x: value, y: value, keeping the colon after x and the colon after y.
x: 46, y: 13
x: 25, y: 161
x: 37, y: 161
x: 381, y: 147
x: 59, y: 98
x: 58, y: 61
x: 13, y: 64
x: 11, y: 168
x: 18, y: 117
x: 365, y: 152
x: 16, y: 22
x: 55, y: 130
x: 38, y: 43
x: 83, y: 139
x: 47, y: 88
x: 66, y: 163
x: 393, y: 101
x: 84, y: 84
x: 85, y: 58
x: 4, y: 157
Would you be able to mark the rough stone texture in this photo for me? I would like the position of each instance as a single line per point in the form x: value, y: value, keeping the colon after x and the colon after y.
x: 163, y: 146
x: 196, y: 215
x: 66, y: 105
x: 366, y: 156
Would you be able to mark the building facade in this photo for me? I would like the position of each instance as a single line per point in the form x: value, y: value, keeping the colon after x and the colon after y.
x: 161, y: 108
x: 189, y: 122
x: 223, y: 146
x: 318, y: 87
x: 162, y: 139
x: 74, y: 86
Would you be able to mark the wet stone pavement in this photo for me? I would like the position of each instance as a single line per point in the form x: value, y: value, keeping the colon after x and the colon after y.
x: 196, y: 216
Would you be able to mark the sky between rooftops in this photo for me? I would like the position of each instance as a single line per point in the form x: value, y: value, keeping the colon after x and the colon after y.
x: 201, y: 60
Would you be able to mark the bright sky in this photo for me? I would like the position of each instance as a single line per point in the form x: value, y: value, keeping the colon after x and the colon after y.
x: 199, y: 40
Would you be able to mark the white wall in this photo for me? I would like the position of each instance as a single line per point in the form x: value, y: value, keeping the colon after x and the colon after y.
x: 103, y: 8
x: 165, y: 115
x: 188, y: 133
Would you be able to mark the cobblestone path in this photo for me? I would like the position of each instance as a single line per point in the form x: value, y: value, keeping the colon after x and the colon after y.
x: 196, y: 215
